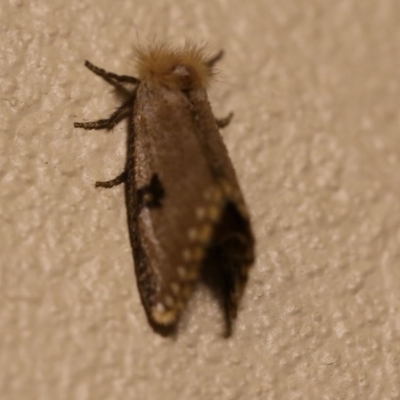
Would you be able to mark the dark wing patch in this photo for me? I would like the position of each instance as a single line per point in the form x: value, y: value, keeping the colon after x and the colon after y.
x: 150, y: 195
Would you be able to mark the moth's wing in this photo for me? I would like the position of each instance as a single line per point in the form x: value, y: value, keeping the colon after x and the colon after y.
x: 174, y: 231
x: 173, y: 235
x: 231, y: 251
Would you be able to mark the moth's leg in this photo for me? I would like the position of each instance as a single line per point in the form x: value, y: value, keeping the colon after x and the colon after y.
x: 110, y: 122
x: 223, y: 122
x: 113, y: 182
x: 213, y: 60
x: 110, y: 75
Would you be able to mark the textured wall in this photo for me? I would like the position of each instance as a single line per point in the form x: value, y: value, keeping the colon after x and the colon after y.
x: 315, y: 87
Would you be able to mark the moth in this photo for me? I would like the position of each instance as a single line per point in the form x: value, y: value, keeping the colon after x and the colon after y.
x: 187, y: 218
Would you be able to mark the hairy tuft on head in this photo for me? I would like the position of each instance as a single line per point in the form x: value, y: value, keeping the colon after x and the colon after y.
x: 178, y: 68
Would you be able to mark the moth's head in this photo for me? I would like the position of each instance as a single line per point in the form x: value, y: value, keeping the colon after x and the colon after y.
x: 183, y: 68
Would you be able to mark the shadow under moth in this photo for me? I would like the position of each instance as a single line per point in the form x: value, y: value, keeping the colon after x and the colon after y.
x: 187, y: 218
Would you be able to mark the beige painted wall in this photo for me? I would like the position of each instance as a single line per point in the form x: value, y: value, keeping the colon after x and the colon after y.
x: 315, y: 87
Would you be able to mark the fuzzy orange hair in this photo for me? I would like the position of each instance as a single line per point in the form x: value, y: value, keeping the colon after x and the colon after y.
x: 176, y: 68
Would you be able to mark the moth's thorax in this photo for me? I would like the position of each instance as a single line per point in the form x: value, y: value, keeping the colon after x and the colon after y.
x: 178, y: 69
